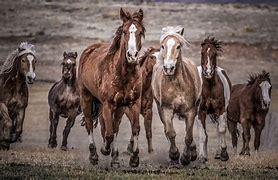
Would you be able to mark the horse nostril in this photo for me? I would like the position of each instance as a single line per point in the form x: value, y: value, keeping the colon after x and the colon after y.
x: 128, y: 54
x: 136, y: 53
x: 172, y: 68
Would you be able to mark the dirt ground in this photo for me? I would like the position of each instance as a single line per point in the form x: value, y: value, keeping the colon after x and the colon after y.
x: 250, y: 41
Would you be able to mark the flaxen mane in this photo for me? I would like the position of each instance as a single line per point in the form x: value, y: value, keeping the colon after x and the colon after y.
x: 253, y: 77
x: 217, y: 44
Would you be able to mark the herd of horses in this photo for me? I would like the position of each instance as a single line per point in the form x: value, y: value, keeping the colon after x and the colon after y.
x: 113, y: 80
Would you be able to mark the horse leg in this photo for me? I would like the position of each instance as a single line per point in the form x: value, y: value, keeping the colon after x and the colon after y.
x: 258, y: 130
x: 107, y: 114
x: 135, y: 125
x: 203, y: 137
x: 115, y: 153
x: 6, y: 125
x: 166, y: 116
x: 19, y: 125
x: 86, y: 105
x: 232, y: 126
x: 54, y: 119
x: 189, y: 152
x: 222, y: 153
x: 246, y: 136
x: 69, y: 125
x: 148, y: 127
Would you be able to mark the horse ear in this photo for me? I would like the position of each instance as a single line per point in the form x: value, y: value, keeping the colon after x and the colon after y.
x: 140, y: 15
x: 182, y: 31
x: 123, y: 15
x: 65, y: 54
x: 75, y: 54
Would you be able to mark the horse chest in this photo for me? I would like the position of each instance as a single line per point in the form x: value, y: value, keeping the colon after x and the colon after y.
x: 68, y: 99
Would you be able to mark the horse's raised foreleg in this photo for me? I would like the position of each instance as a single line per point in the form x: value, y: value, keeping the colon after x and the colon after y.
x: 246, y: 136
x: 5, y: 127
x: 86, y: 105
x: 203, y: 137
x: 19, y: 125
x: 107, y: 114
x: 166, y: 116
x: 69, y: 125
x: 222, y: 153
x: 189, y: 152
x: 54, y: 119
x: 135, y: 125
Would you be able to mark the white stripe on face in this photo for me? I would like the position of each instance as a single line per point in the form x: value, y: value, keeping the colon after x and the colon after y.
x: 208, y: 64
x: 265, y: 86
x: 132, y: 40
x: 68, y: 61
x: 169, y: 45
x: 31, y: 71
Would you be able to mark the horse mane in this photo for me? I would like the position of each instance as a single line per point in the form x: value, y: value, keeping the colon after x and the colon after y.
x: 145, y: 55
x: 24, y: 47
x: 173, y: 31
x: 217, y: 44
x: 253, y: 77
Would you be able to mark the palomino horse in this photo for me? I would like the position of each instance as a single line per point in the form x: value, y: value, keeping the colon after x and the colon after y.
x: 248, y: 106
x: 110, y: 74
x: 16, y: 72
x: 63, y: 100
x: 147, y: 61
x: 214, y: 99
x: 177, y: 88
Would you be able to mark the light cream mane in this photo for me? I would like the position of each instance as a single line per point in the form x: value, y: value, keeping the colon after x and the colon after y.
x: 176, y: 32
x: 23, y: 48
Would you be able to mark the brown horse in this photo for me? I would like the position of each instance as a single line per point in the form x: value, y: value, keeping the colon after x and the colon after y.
x: 214, y: 99
x: 248, y: 106
x: 16, y: 72
x: 147, y: 61
x: 109, y: 74
x: 177, y: 88
x: 63, y: 100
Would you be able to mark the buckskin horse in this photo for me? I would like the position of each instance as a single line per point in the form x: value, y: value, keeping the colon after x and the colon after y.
x: 248, y: 106
x: 109, y: 74
x: 63, y: 100
x: 16, y: 72
x: 214, y: 99
x: 177, y: 88
x: 146, y: 62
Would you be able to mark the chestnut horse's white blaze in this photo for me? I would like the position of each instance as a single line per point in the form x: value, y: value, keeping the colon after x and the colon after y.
x: 132, y: 49
x: 208, y: 64
x: 31, y: 72
x: 265, y: 86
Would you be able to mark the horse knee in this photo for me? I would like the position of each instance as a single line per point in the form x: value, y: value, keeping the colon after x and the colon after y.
x: 171, y: 134
x: 222, y: 128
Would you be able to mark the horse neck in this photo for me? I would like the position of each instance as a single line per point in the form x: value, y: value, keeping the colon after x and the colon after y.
x: 254, y: 94
x: 70, y: 81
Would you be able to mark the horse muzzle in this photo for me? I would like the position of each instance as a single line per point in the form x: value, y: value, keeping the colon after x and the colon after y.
x: 30, y: 78
x: 265, y: 104
x: 169, y: 69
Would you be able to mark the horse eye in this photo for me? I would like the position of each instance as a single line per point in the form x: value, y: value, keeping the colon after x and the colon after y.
x: 162, y: 46
x: 23, y: 60
x: 35, y: 61
x: 178, y: 47
x: 124, y: 33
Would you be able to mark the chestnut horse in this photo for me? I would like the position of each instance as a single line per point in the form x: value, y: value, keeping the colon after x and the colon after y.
x: 248, y: 106
x: 109, y: 74
x: 214, y: 99
x: 63, y: 100
x: 147, y: 61
x: 177, y: 88
x: 16, y: 72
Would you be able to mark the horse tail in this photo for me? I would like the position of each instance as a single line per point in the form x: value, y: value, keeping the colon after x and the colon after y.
x: 95, y: 112
x: 232, y: 126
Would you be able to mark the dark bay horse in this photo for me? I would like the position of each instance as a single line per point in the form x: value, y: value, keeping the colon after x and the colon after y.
x: 63, y: 100
x: 214, y: 99
x: 177, y: 88
x: 109, y: 74
x: 146, y: 62
x: 248, y: 106
x: 16, y: 72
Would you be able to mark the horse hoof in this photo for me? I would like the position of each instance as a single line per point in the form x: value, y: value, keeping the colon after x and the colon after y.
x: 224, y: 156
x: 5, y: 145
x: 174, y: 155
x: 134, y: 161
x: 202, y: 159
x: 13, y: 138
x: 247, y: 153
x: 64, y: 148
x: 193, y: 154
x: 52, y: 145
x: 104, y: 151
x: 150, y: 150
x: 93, y: 159
x: 115, y: 164
x: 217, y: 155
x: 185, y: 159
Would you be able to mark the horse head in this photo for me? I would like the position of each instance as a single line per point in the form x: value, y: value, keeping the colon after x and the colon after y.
x: 69, y: 65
